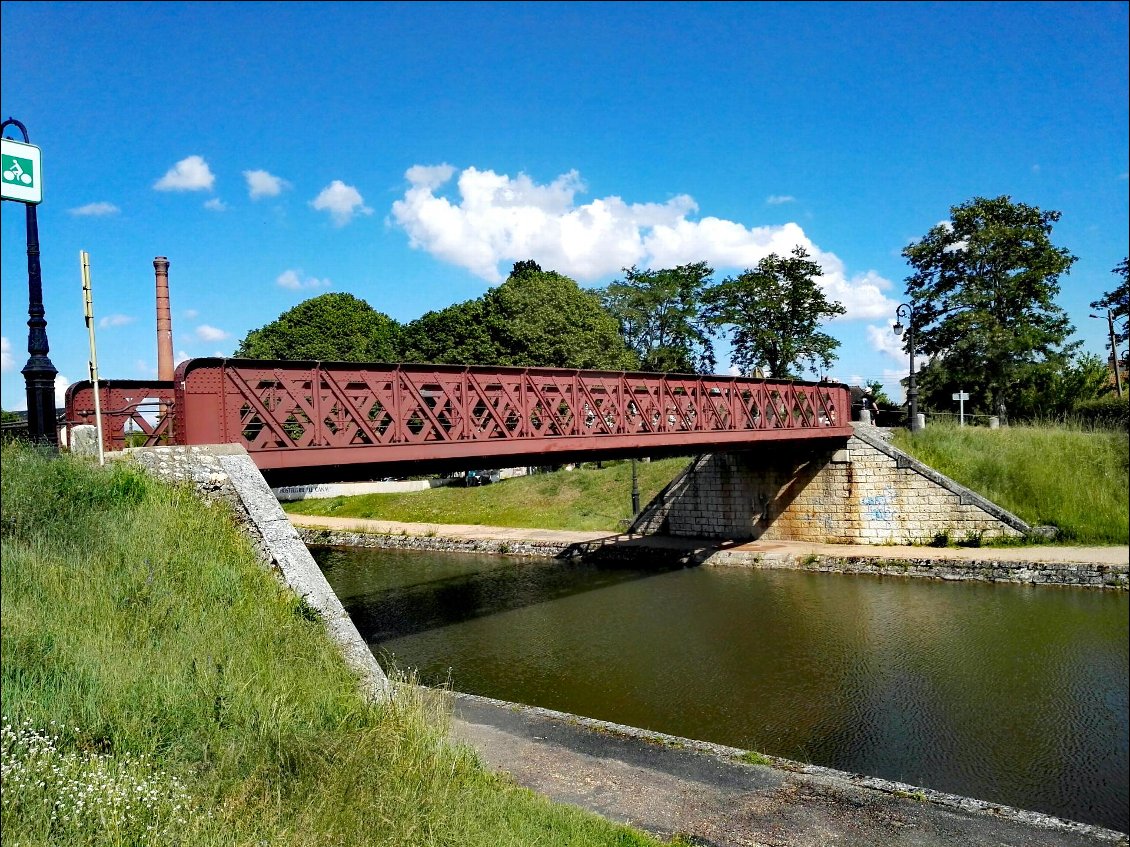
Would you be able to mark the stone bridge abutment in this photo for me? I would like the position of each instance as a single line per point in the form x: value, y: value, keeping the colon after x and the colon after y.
x: 862, y: 491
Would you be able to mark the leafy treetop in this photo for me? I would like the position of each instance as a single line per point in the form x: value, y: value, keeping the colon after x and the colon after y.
x: 983, y: 289
x: 331, y: 328
x: 660, y: 317
x: 773, y: 313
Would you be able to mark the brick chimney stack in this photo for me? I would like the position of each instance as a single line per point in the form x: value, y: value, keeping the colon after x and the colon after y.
x: 164, y: 321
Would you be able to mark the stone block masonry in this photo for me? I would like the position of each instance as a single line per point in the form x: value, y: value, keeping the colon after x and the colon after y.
x: 864, y: 492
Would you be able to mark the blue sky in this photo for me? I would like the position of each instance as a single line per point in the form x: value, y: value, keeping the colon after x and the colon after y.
x: 410, y: 153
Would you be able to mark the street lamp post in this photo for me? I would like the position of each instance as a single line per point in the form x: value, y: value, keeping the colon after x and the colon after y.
x: 905, y: 310
x: 1113, y: 348
x: 39, y: 373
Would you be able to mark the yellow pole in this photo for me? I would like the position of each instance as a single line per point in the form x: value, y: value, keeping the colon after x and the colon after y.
x: 88, y: 309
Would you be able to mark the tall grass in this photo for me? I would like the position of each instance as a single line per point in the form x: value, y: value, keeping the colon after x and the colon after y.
x: 581, y: 499
x: 151, y: 667
x: 1070, y: 477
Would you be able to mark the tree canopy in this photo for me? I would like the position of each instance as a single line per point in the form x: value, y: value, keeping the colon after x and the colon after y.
x: 457, y: 335
x: 330, y: 328
x: 983, y: 289
x: 535, y: 318
x: 772, y: 313
x: 660, y: 317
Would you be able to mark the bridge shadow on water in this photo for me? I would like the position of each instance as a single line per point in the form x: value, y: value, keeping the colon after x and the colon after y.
x: 391, y: 594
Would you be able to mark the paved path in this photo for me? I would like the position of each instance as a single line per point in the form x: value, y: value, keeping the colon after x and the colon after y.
x: 1043, y: 553
x: 669, y: 786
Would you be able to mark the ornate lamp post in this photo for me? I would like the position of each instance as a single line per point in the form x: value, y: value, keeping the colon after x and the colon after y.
x: 905, y: 310
x: 39, y: 373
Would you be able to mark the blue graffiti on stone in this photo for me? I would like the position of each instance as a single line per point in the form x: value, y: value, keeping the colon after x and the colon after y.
x: 881, y: 506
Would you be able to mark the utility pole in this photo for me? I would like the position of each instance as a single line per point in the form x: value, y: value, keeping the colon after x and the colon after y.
x: 1113, y: 351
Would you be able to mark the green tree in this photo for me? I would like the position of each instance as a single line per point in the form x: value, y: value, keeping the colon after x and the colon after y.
x: 660, y: 317
x: 457, y: 335
x: 1118, y: 302
x: 535, y: 318
x: 773, y: 312
x: 983, y: 289
x: 329, y: 328
x: 542, y: 318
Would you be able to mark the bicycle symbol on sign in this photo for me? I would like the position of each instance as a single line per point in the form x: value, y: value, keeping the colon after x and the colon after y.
x: 15, y: 173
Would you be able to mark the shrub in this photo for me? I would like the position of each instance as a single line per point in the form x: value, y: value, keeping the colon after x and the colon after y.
x: 1107, y: 412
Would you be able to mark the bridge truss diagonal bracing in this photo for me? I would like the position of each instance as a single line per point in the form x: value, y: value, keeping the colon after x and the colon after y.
x: 296, y: 416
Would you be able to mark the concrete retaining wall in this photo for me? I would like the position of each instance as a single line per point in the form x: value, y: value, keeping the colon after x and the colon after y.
x: 865, y: 493
x: 326, y: 491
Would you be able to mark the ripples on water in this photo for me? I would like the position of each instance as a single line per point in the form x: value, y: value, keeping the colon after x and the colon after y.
x: 1012, y: 694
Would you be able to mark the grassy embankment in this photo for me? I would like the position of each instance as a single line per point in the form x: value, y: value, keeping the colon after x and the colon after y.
x: 1071, y: 478
x: 159, y: 687
x: 581, y: 499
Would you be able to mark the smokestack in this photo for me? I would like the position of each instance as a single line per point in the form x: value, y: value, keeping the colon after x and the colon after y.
x: 164, y: 321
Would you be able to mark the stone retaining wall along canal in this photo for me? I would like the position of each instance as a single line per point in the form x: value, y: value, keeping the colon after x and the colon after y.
x: 865, y: 493
x: 924, y: 563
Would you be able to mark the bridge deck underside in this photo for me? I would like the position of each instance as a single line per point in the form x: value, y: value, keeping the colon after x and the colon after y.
x: 315, y: 464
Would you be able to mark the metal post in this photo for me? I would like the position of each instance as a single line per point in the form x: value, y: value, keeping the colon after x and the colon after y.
x: 905, y: 310
x: 635, y: 490
x: 39, y: 373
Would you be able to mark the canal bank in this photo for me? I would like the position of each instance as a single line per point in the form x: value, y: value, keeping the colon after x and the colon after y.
x: 712, y: 796
x: 1095, y: 567
x: 707, y: 792
x: 613, y: 770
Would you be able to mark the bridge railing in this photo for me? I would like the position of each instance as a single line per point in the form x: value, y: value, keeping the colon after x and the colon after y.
x: 287, y: 406
x: 135, y: 413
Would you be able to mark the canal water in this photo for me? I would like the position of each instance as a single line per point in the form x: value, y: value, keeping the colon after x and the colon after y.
x: 1011, y: 694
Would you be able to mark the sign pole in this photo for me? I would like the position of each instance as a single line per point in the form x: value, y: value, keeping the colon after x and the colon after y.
x: 88, y: 310
x: 961, y: 397
x: 39, y: 374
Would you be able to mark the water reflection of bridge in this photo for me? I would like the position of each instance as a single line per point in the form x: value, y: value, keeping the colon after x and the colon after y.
x: 311, y: 421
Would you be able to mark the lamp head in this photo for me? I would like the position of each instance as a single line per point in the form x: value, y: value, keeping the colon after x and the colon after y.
x: 897, y: 329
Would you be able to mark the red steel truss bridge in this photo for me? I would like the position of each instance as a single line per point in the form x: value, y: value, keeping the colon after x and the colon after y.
x: 321, y: 421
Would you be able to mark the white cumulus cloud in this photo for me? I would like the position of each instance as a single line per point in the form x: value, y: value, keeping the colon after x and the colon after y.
x: 61, y: 386
x: 189, y: 174
x: 341, y: 201
x: 6, y: 362
x: 191, y: 313
x: 116, y: 320
x: 215, y: 205
x: 264, y: 184
x: 95, y: 210
x: 883, y: 339
x: 295, y: 280
x: 501, y: 219
x: 210, y: 333
x: 779, y: 199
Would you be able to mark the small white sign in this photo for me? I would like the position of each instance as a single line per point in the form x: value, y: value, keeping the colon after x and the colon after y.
x: 21, y: 172
x: 961, y: 395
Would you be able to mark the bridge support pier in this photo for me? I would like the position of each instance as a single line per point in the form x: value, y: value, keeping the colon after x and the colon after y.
x: 864, y: 492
